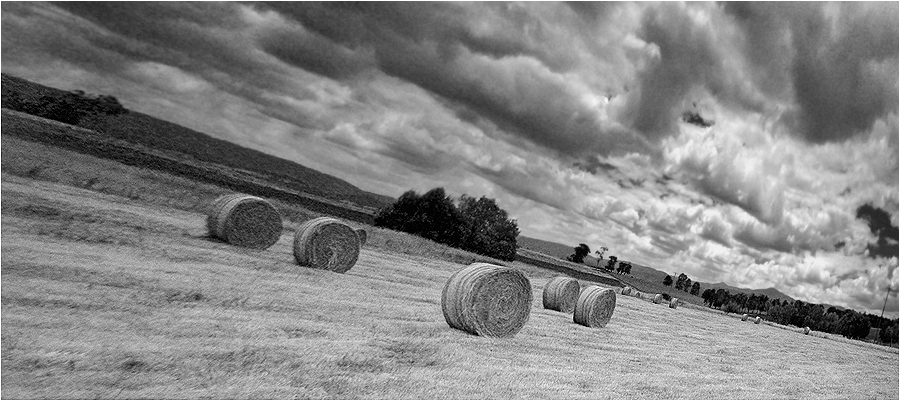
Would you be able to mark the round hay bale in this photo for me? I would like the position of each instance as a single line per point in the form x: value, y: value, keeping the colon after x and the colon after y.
x: 595, y: 307
x: 244, y: 220
x: 757, y: 320
x: 363, y: 236
x: 657, y: 298
x: 561, y: 293
x: 673, y: 303
x: 806, y: 330
x: 487, y: 300
x: 745, y: 317
x: 326, y: 243
x: 637, y: 294
x: 626, y: 291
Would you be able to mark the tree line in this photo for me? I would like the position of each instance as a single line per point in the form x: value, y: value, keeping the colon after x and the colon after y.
x: 847, y: 322
x: 612, y: 264
x: 474, y: 224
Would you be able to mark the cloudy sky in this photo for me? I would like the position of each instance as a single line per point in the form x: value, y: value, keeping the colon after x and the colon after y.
x: 570, y: 115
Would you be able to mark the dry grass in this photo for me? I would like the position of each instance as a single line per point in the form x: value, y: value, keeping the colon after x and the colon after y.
x: 106, y: 295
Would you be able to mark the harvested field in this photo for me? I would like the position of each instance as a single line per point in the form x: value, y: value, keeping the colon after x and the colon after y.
x: 110, y: 296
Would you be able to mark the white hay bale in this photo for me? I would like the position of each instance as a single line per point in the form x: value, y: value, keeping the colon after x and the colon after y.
x: 658, y: 298
x: 806, y: 330
x: 745, y: 317
x: 561, y: 294
x: 362, y: 235
x: 487, y: 300
x: 244, y: 220
x: 326, y: 243
x: 757, y: 320
x: 673, y: 303
x: 626, y: 291
x: 595, y: 307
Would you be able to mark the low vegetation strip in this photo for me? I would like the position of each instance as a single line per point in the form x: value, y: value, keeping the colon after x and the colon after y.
x: 487, y: 300
x: 92, y: 143
x: 579, y: 272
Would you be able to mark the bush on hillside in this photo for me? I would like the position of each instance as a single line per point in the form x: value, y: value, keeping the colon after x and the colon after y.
x: 476, y: 225
x: 70, y: 108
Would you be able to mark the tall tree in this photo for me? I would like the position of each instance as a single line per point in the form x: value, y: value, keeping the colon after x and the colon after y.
x: 581, y: 251
x: 667, y: 281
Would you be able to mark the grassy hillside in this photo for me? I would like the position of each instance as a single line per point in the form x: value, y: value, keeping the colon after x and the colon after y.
x: 645, y: 278
x: 111, y: 289
x: 182, y: 142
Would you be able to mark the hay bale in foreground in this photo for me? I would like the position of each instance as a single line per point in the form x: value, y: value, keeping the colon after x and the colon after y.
x: 561, y: 293
x: 487, y: 300
x: 326, y: 243
x: 244, y: 220
x: 806, y: 330
x: 657, y: 298
x: 757, y: 320
x: 626, y: 291
x: 745, y: 317
x: 595, y: 307
x: 363, y: 236
x: 673, y: 303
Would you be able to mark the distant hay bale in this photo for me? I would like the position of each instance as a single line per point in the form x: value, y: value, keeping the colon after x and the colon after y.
x: 363, y: 236
x: 637, y: 294
x: 487, y: 300
x: 673, y: 303
x: 757, y: 320
x: 244, y: 220
x: 326, y: 243
x: 658, y: 298
x: 806, y: 330
x: 595, y: 307
x: 626, y: 291
x: 561, y: 293
x: 745, y: 317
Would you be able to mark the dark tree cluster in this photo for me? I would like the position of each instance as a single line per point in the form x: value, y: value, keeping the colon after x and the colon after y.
x: 581, y: 251
x: 70, y: 107
x: 624, y: 268
x: 476, y: 225
x: 683, y: 283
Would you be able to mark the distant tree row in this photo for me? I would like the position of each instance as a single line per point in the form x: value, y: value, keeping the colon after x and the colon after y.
x: 848, y: 323
x: 612, y: 263
x: 476, y: 225
x: 70, y: 107
x: 683, y: 283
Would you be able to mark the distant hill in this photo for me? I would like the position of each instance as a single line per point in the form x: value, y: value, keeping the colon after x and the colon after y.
x: 644, y: 275
x: 145, y: 130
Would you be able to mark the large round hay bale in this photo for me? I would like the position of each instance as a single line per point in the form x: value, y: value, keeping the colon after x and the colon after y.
x: 757, y: 320
x: 244, y: 220
x: 673, y: 303
x: 487, y: 300
x: 657, y: 298
x: 745, y: 317
x: 363, y: 236
x: 595, y: 306
x: 806, y: 330
x: 626, y: 291
x: 326, y: 243
x: 561, y: 293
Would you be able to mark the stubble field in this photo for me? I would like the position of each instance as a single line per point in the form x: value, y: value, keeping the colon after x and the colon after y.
x: 112, y: 292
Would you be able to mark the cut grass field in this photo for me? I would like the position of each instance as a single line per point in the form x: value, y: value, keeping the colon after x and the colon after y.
x: 112, y: 289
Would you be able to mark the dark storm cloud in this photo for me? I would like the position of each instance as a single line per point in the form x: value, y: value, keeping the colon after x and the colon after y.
x: 505, y: 77
x: 841, y: 64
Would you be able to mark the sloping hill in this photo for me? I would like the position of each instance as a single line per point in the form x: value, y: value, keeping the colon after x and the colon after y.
x: 145, y: 130
x: 645, y: 277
